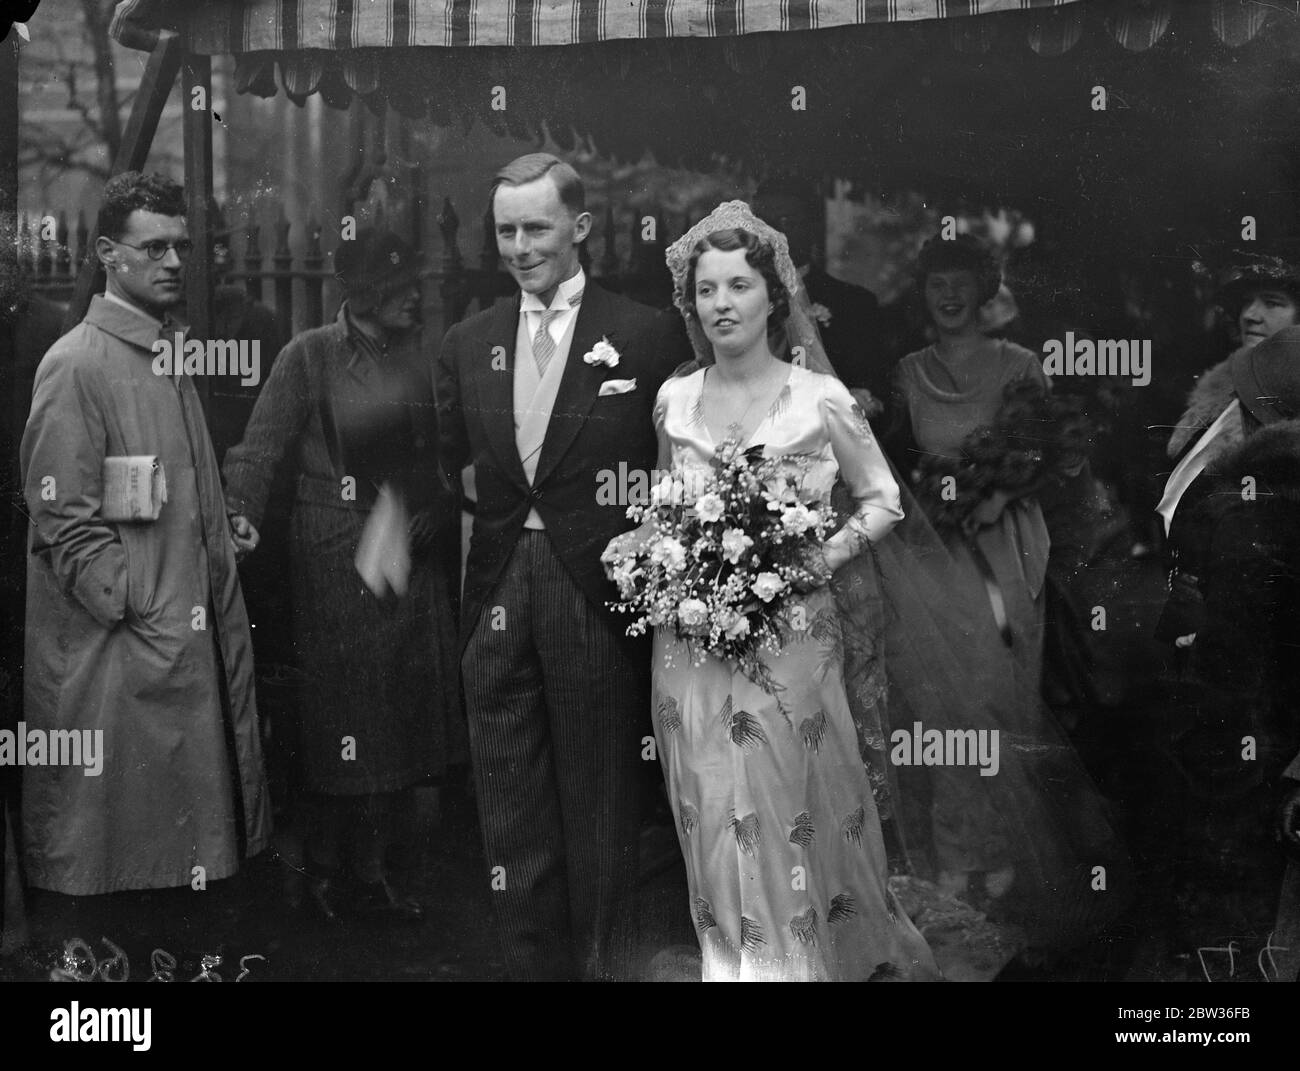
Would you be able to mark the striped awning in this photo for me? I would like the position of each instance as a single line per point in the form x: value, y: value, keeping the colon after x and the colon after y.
x: 967, y: 78
x: 256, y: 25
x: 1049, y: 27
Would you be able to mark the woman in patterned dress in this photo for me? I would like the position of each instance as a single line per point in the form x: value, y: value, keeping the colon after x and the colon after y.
x: 775, y: 815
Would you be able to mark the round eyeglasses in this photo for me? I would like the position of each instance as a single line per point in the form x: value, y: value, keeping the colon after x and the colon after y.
x: 157, y: 249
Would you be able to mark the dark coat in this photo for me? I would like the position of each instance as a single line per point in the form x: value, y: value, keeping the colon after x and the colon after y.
x: 586, y: 434
x: 380, y: 672
x: 230, y: 403
x: 854, y: 336
x: 111, y: 642
x: 1245, y: 553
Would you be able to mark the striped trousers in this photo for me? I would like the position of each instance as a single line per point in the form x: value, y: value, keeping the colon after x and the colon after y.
x: 558, y: 706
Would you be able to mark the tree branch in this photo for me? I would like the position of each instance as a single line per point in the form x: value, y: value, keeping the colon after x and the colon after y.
x: 110, y: 121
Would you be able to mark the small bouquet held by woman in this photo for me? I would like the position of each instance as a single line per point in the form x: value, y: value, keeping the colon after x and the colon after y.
x: 1036, y: 436
x: 720, y: 552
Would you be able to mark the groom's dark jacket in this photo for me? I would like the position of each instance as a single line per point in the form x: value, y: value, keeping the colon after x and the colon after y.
x: 587, y: 437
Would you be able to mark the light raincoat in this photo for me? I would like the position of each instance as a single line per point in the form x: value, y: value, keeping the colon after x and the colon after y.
x: 136, y: 629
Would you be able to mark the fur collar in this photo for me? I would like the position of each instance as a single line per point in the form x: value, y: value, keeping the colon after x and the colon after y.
x: 1208, y: 398
x: 1271, y: 456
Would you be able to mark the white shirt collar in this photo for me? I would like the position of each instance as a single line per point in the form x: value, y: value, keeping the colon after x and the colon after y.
x: 560, y: 302
x: 110, y: 296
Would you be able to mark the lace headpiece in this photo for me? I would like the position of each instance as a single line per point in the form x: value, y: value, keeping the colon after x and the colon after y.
x: 730, y: 215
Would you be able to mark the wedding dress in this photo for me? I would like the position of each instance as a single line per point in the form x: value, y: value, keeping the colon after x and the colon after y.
x: 775, y: 815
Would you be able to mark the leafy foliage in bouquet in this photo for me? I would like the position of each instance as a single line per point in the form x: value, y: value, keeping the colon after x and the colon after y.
x: 1036, y: 436
x: 724, y: 552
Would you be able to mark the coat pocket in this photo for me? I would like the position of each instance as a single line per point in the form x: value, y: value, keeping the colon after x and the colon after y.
x: 140, y: 581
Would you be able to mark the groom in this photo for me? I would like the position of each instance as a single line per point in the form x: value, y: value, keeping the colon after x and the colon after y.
x: 557, y: 695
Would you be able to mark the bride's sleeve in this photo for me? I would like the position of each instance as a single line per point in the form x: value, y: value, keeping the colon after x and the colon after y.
x: 665, y: 459
x: 865, y: 473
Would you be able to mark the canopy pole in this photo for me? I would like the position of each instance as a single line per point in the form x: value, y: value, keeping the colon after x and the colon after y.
x: 196, y: 106
x: 155, y: 87
x: 11, y: 533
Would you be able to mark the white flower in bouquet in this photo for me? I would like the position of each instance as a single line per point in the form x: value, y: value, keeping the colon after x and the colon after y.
x: 767, y: 586
x: 798, y: 518
x: 734, y: 545
x: 695, y: 481
x: 710, y: 507
x: 667, y: 492
x: 781, y: 489
x: 669, y: 553
x: 693, y: 614
x: 738, y: 629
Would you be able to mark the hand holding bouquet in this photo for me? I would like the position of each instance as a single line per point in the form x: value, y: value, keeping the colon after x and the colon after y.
x: 722, y: 552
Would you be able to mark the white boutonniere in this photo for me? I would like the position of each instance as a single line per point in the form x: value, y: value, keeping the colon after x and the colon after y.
x: 821, y: 314
x: 603, y: 352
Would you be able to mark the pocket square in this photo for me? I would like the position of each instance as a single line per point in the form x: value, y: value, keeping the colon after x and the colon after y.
x: 617, y: 386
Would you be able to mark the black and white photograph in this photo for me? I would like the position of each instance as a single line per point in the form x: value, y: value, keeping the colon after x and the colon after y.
x: 652, y: 491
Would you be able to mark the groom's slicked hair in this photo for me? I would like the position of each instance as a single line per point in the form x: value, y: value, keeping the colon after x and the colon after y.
x: 536, y: 165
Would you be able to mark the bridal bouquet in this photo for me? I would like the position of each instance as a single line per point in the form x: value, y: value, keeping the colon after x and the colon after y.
x: 719, y: 553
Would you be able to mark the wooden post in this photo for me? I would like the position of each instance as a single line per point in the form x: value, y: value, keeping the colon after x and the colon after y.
x: 14, y: 528
x: 155, y: 87
x: 196, y: 109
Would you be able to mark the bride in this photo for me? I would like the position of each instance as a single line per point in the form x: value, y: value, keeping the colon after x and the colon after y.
x: 775, y: 814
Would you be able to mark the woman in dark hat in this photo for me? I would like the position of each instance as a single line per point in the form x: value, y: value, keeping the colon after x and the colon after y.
x: 1261, y: 297
x: 350, y: 404
x: 1237, y: 530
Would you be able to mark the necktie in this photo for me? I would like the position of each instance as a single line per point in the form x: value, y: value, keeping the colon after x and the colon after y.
x: 543, y: 344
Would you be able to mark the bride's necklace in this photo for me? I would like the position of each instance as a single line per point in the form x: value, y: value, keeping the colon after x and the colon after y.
x: 736, y: 427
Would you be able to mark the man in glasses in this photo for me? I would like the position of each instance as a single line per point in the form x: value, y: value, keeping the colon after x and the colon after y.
x: 136, y: 631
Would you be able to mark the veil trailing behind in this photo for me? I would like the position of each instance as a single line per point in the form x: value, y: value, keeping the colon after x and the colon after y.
x: 923, y: 652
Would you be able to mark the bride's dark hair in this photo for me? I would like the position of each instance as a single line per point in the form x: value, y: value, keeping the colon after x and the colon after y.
x: 759, y: 255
